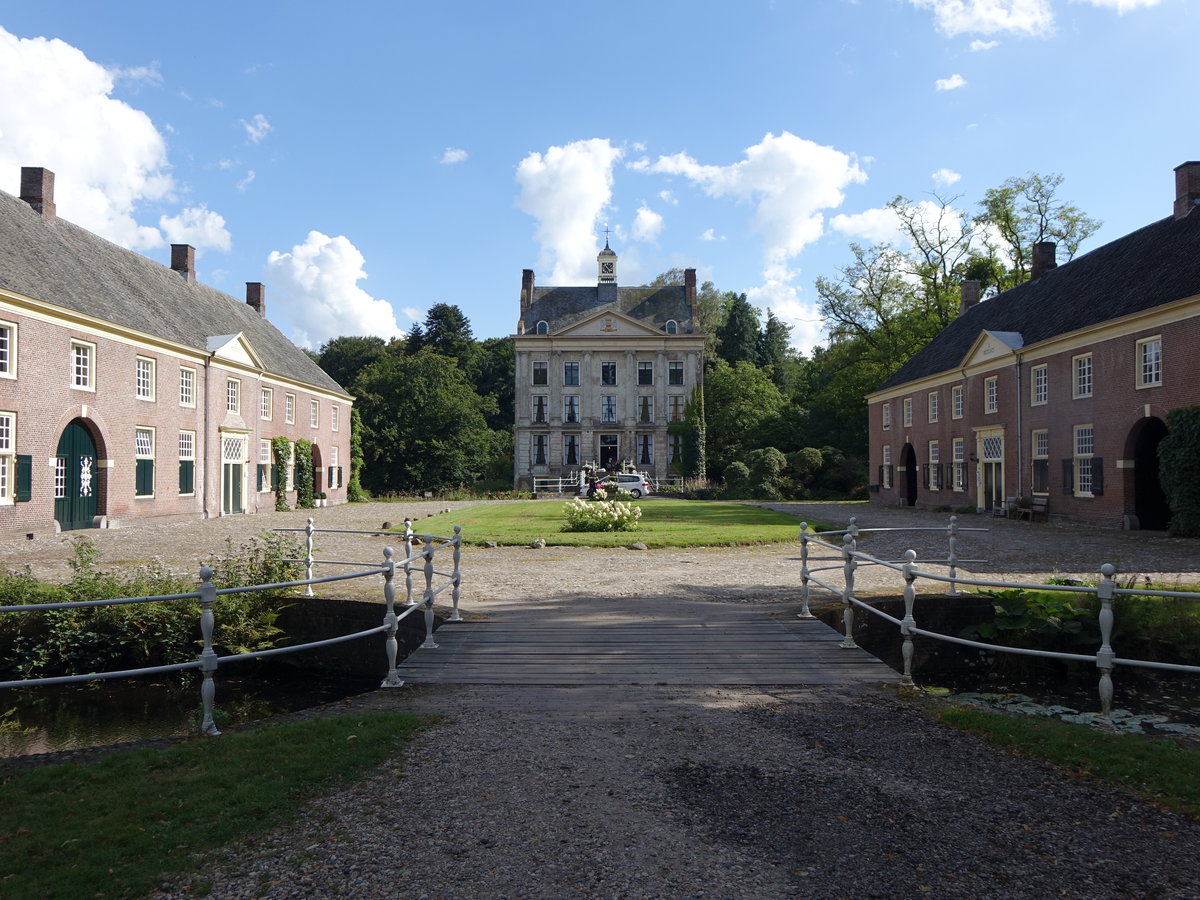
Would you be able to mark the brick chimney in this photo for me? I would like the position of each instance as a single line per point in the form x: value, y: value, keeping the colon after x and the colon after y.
x: 689, y: 293
x: 1187, y: 188
x: 1044, y: 259
x: 526, y: 290
x: 37, y: 189
x: 970, y: 296
x: 256, y: 297
x: 183, y: 261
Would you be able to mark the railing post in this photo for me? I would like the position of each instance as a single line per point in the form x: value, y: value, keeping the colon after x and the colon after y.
x: 848, y: 566
x: 952, y: 559
x: 392, y: 679
x: 208, y: 657
x: 908, y: 623
x: 804, y: 611
x: 456, y: 616
x: 430, y: 643
x: 852, y: 531
x: 408, y: 541
x: 308, y: 554
x: 1105, y: 655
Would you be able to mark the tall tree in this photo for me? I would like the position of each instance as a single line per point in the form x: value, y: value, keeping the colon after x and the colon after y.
x: 344, y: 357
x: 741, y: 403
x: 1026, y: 211
x: 737, y: 336
x: 493, y: 372
x: 448, y: 332
x: 774, y: 350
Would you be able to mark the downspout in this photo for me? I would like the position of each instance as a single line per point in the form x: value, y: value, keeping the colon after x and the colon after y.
x: 204, y: 420
x: 1020, y: 434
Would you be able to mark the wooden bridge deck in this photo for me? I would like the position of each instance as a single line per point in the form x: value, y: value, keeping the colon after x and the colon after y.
x: 688, y: 644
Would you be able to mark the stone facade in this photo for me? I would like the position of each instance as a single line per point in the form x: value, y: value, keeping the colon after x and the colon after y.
x: 130, y: 391
x: 1057, y: 388
x: 600, y: 374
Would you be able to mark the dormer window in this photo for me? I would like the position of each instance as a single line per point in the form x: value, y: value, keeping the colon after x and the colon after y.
x: 672, y: 327
x: 543, y: 327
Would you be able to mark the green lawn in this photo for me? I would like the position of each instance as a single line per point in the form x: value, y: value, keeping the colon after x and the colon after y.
x: 664, y: 523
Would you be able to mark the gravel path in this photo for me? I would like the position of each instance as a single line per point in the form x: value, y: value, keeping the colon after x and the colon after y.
x: 652, y: 791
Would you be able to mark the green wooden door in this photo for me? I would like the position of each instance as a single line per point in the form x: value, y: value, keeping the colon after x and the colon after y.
x: 75, y: 478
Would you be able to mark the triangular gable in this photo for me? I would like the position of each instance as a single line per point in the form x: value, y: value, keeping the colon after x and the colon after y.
x: 608, y: 322
x: 991, y: 346
x: 234, y: 348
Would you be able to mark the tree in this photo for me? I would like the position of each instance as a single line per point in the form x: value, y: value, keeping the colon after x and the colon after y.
x: 741, y: 402
x: 774, y: 350
x: 737, y: 336
x: 343, y: 358
x: 1025, y: 211
x: 709, y: 307
x: 425, y: 425
x: 493, y: 372
x: 448, y: 332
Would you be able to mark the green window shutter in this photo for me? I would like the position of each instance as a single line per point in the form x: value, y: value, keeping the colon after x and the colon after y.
x: 143, y: 478
x: 340, y: 482
x: 187, y: 476
x: 276, y: 471
x: 1068, y: 469
x: 24, y: 477
x: 1098, y: 476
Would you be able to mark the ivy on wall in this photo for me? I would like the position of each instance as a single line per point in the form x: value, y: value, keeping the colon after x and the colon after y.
x: 354, y: 489
x: 281, y: 453
x: 304, y: 474
x: 1179, y: 470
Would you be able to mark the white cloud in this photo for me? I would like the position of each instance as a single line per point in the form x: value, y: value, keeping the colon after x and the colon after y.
x: 453, y: 155
x: 257, y: 128
x: 879, y: 226
x: 1120, y: 6
x: 106, y: 156
x: 247, y: 181
x: 225, y: 164
x: 977, y: 45
x: 668, y: 197
x: 647, y: 225
x: 952, y: 83
x: 565, y: 190
x: 198, y: 226
x: 945, y: 177
x: 318, y: 281
x: 413, y: 314
x: 137, y: 76
x: 710, y: 234
x: 808, y: 329
x: 1032, y: 18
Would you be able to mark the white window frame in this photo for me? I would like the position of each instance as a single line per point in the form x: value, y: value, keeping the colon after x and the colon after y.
x: 333, y: 467
x: 140, y: 452
x: 335, y: 418
x: 1083, y: 376
x: 675, y: 373
x: 289, y: 409
x: 991, y: 394
x: 567, y: 367
x: 540, y: 374
x: 8, y: 456
x: 570, y: 409
x: 907, y: 407
x: 645, y: 373
x: 608, y: 365
x: 645, y: 449
x: 539, y: 409
x: 934, y: 457
x: 233, y: 395
x: 8, y: 350
x: 314, y: 413
x: 1039, y: 385
x: 1083, y: 442
x: 932, y: 403
x: 887, y: 416
x: 1149, y: 368
x: 266, y: 403
x: 85, y: 380
x: 1039, y: 451
x: 607, y: 402
x: 540, y: 441
x: 957, y: 401
x: 645, y: 409
x: 568, y: 441
x: 187, y: 453
x: 958, y: 456
x: 187, y: 386
x: 677, y: 406
x: 144, y: 378
x: 886, y: 475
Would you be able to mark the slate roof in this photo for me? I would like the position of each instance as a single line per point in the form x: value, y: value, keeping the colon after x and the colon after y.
x: 62, y: 264
x: 561, y: 307
x: 1152, y: 266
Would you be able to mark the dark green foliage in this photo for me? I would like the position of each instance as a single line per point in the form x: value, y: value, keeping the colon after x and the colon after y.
x: 448, y: 332
x: 354, y: 488
x: 281, y: 451
x: 766, y: 473
x: 737, y: 336
x: 493, y: 372
x: 1179, y: 470
x: 304, y: 474
x: 344, y: 357
x: 737, y: 481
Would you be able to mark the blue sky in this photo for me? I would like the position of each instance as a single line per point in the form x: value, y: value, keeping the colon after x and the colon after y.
x: 367, y: 160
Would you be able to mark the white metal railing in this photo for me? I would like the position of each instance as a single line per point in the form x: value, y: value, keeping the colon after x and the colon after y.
x: 208, y: 661
x: 565, y: 485
x: 851, y: 558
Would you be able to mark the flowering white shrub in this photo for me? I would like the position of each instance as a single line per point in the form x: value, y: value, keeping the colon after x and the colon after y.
x: 604, y: 515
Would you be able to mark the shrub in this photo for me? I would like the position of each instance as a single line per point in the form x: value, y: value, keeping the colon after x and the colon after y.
x: 603, y: 515
x: 1179, y: 468
x: 281, y: 452
x: 304, y: 474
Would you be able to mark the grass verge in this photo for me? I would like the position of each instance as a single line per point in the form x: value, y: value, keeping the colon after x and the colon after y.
x: 664, y: 523
x: 118, y: 826
x: 1162, y: 771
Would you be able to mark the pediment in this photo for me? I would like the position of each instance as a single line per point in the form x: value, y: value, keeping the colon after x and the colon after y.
x: 991, y: 346
x: 234, y: 348
x: 611, y: 323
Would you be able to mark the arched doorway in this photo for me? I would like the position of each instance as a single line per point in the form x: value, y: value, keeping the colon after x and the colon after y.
x: 319, y: 481
x: 908, y: 460
x: 1149, y: 501
x: 75, y: 478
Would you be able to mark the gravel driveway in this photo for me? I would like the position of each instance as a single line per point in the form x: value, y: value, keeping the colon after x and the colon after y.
x: 653, y: 792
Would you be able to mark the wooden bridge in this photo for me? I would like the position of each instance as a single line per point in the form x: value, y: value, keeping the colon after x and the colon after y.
x: 628, y: 641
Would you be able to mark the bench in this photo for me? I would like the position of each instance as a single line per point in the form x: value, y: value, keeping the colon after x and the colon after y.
x: 1039, y: 507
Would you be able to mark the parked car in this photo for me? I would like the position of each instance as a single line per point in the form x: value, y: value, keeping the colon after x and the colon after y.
x: 637, y: 485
